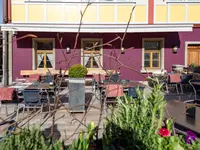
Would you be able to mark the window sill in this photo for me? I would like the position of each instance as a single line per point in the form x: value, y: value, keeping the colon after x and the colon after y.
x: 154, y: 71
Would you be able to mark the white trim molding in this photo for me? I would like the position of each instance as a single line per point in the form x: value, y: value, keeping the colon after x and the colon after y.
x: 162, y: 61
x: 34, y: 67
x: 186, y: 49
x: 80, y: 1
x: 96, y: 28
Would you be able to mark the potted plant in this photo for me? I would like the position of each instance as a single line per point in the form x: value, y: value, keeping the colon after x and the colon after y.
x: 77, y: 75
x: 192, y: 67
x: 191, y: 110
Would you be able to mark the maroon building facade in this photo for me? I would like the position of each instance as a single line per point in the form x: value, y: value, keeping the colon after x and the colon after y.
x: 130, y: 62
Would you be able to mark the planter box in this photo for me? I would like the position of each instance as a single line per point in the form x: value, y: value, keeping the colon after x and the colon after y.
x: 77, y: 94
x: 191, y: 107
x: 191, y: 112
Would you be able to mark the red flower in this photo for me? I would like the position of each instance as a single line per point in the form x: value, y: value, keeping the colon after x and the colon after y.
x: 164, y: 132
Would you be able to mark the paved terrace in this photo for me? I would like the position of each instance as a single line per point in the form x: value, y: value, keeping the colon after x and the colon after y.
x: 67, y: 126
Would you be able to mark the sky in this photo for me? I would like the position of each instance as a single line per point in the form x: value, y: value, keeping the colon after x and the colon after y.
x: 1, y: 11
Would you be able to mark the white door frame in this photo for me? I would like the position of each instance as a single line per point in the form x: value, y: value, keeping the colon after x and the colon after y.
x: 186, y: 49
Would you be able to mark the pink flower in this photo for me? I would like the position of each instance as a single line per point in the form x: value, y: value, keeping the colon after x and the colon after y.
x: 164, y: 132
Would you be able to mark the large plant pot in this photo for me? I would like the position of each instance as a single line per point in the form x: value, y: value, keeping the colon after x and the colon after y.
x: 191, y: 107
x: 191, y: 112
x: 77, y: 94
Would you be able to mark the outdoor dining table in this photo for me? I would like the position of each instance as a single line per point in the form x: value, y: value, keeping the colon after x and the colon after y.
x: 176, y: 110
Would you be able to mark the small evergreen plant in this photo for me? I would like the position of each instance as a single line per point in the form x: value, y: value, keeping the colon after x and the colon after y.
x: 77, y: 71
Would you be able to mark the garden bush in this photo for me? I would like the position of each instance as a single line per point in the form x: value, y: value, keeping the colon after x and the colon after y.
x: 30, y: 139
x: 77, y: 71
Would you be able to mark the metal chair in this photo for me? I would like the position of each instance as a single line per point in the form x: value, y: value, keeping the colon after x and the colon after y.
x: 48, y: 78
x: 195, y: 84
x: 114, y: 78
x: 111, y: 92
x: 33, y: 99
x: 96, y: 80
x: 132, y: 91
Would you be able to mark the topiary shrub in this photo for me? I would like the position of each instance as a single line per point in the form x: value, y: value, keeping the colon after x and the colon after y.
x: 77, y: 71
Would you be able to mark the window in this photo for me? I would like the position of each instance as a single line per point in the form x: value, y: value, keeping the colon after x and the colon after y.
x: 152, y: 54
x: 53, y: 1
x: 91, y: 53
x: 44, y: 53
x: 183, y: 1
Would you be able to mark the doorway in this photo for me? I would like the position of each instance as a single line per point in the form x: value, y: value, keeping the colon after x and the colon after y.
x: 193, y: 54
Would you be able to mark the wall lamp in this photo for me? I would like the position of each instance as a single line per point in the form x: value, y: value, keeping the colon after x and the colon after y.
x: 68, y: 48
x: 175, y: 49
x: 122, y: 50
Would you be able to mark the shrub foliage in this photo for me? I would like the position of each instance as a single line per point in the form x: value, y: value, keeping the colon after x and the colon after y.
x: 77, y: 71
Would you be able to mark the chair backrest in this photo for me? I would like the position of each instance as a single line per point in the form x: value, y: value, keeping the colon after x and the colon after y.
x: 48, y: 79
x: 132, y: 91
x: 114, y: 78
x: 35, y: 77
x: 98, y: 77
x: 114, y: 90
x: 174, y: 78
x: 31, y: 96
x: 185, y: 78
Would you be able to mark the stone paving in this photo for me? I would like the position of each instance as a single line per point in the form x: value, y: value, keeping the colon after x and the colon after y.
x: 65, y: 124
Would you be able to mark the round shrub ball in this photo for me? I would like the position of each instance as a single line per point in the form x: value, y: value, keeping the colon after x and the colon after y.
x: 77, y: 71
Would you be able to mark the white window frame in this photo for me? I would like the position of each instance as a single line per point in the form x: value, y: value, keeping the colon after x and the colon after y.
x: 82, y: 50
x: 162, y: 61
x: 183, y: 1
x: 34, y: 40
x: 80, y: 1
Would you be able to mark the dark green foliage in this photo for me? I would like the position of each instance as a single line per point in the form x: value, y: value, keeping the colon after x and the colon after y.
x: 77, y: 71
x: 28, y: 139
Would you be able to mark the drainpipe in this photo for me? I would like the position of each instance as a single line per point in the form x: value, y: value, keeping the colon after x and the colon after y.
x: 9, y: 11
x: 5, y: 58
x: 7, y: 19
x: 10, y: 54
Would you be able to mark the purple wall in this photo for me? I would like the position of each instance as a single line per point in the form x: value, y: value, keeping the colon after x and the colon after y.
x: 22, y: 50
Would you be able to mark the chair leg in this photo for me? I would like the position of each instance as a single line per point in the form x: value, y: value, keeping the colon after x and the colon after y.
x: 167, y: 89
x: 177, y: 88
x: 41, y: 110
x: 23, y: 111
x: 181, y: 88
x: 49, y: 105
x: 6, y: 109
x: 17, y: 114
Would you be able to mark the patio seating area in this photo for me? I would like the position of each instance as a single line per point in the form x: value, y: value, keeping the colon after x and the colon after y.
x: 30, y: 102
